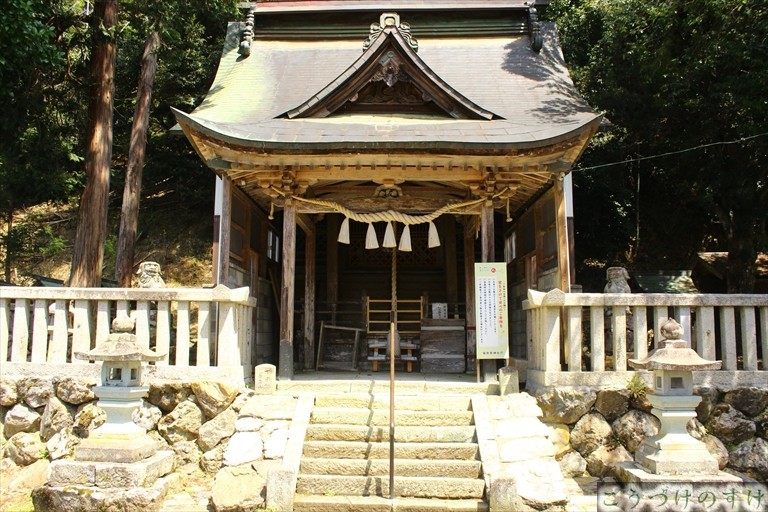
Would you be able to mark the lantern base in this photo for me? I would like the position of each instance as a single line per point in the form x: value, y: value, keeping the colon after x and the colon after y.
x: 109, y: 449
x: 633, y: 472
x: 86, y: 485
x: 673, y: 451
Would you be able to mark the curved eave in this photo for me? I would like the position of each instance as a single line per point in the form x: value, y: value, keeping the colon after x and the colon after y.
x: 464, y: 140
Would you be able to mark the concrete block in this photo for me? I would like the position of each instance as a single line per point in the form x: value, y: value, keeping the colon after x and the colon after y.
x: 124, y: 475
x: 516, y: 450
x: 70, y: 472
x: 281, y: 489
x: 137, y: 474
x: 265, y: 379
x: 508, y: 380
x: 502, y: 494
x: 112, y: 450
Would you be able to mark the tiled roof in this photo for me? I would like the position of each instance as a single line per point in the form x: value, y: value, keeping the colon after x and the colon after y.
x: 531, y: 91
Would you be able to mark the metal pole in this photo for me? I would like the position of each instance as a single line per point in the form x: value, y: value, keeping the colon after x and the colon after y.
x: 392, y: 410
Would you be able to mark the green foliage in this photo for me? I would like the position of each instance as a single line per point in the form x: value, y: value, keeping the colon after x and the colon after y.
x: 614, y: 442
x: 54, y: 245
x: 636, y: 387
x: 37, y: 136
x: 41, y: 48
x: 669, y: 76
x: 110, y: 248
x: 44, y: 63
x: 33, y: 240
x: 25, y: 42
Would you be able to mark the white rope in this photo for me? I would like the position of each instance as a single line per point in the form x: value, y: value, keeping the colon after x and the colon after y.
x: 390, y: 215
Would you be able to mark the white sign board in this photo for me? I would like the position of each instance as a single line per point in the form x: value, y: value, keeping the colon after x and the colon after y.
x: 491, y: 310
x: 439, y: 310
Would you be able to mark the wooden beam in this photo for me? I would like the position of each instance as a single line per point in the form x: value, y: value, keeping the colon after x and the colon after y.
x: 226, y: 229
x: 469, y: 287
x: 332, y: 261
x: 263, y: 246
x: 306, y: 223
x: 539, y: 230
x: 309, y: 299
x: 488, y: 366
x: 428, y: 162
x: 563, y: 249
x: 487, y: 233
x: 449, y: 242
x: 285, y: 370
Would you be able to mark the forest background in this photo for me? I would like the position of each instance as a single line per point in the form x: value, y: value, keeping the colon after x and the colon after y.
x: 679, y: 168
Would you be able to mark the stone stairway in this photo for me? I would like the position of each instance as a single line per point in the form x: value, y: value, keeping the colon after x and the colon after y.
x: 345, y: 459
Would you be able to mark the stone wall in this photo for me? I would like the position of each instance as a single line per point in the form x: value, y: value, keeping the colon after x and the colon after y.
x: 237, y: 434
x: 240, y: 435
x: 594, y: 430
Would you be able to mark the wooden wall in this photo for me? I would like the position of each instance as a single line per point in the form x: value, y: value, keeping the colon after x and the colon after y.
x: 530, y: 250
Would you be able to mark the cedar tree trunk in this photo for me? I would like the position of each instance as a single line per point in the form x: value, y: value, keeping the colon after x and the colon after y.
x: 129, y: 218
x: 88, y: 253
x: 742, y: 253
x: 8, y: 243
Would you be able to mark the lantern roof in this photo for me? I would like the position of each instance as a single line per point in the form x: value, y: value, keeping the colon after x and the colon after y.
x: 120, y: 345
x: 674, y: 353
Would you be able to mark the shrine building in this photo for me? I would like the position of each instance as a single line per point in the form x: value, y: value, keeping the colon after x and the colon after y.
x: 369, y: 153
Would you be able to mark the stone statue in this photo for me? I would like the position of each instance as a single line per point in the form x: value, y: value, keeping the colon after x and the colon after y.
x: 149, y: 275
x: 617, y: 280
x: 617, y: 283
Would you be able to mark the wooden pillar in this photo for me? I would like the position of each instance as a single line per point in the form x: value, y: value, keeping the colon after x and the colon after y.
x: 488, y: 366
x: 451, y: 275
x: 225, y: 228
x: 332, y: 262
x: 264, y: 248
x: 486, y: 233
x: 563, y: 248
x: 309, y: 300
x: 469, y: 287
x: 285, y: 370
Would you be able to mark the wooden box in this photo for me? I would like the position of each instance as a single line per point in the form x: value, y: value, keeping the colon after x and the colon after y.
x: 443, y: 345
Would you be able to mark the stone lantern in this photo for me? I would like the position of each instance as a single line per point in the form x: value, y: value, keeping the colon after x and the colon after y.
x: 120, y: 393
x: 118, y: 466
x: 673, y: 451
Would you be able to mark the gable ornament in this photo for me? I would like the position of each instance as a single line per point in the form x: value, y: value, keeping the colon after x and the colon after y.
x: 390, y: 72
x: 246, y: 38
x: 534, y: 25
x: 387, y: 20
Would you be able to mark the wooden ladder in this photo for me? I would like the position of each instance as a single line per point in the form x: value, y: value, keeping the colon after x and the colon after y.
x: 409, y: 315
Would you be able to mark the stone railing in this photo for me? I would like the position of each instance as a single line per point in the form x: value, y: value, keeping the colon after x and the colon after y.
x: 586, y: 338
x: 203, y: 332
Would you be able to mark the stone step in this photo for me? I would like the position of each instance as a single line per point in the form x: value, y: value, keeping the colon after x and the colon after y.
x: 408, y: 486
x: 380, y: 417
x: 184, y: 502
x: 402, y: 387
x: 363, y: 450
x: 433, y: 434
x: 403, y: 467
x: 304, y: 503
x: 402, y: 402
